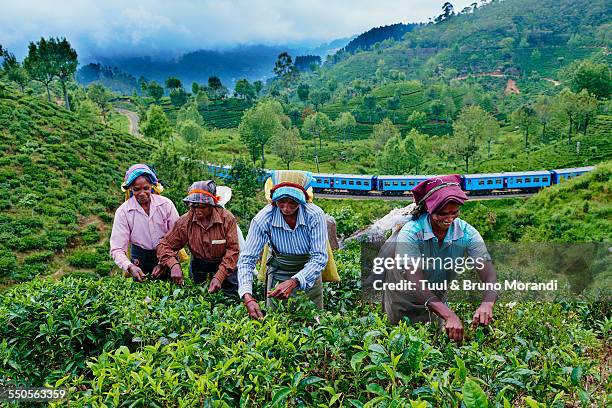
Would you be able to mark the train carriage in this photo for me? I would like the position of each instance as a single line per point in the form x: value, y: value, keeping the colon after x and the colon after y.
x: 351, y: 183
x: 565, y: 174
x: 398, y: 185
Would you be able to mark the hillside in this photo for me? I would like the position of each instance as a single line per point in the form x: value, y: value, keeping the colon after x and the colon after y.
x: 502, y: 36
x: 59, y: 178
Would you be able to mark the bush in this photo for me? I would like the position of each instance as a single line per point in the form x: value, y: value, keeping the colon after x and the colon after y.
x: 82, y: 259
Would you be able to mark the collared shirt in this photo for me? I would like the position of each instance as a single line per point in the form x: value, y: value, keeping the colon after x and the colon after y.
x: 133, y: 225
x: 216, y: 240
x: 416, y: 239
x: 308, y: 237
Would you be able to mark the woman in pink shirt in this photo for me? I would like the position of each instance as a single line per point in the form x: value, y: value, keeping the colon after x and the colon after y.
x: 141, y: 221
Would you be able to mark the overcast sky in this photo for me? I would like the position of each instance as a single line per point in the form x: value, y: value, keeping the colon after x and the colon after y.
x: 142, y: 27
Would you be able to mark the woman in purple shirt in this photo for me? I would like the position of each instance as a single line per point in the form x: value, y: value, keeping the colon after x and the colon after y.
x: 141, y: 221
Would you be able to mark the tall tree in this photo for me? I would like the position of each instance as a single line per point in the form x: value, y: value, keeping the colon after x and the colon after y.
x: 592, y: 76
x: 14, y: 71
x: 259, y: 124
x: 190, y: 112
x: 287, y: 145
x: 316, y: 126
x: 416, y: 119
x: 155, y: 91
x: 178, y: 97
x: 39, y: 63
x: 157, y: 126
x: 283, y: 67
x: 302, y: 92
x: 468, y: 131
x: 384, y: 131
x: 216, y: 87
x: 101, y: 96
x: 191, y: 131
x: 586, y: 107
x: 258, y: 86
x: 244, y: 89
x: 345, y: 123
x: 173, y: 83
x: 65, y: 63
x: 543, y: 110
x: 525, y: 118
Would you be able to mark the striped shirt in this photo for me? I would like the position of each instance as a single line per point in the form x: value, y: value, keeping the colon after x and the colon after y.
x: 416, y: 239
x: 308, y: 237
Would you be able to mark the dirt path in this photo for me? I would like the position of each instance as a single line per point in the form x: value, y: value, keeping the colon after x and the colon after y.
x: 554, y: 81
x: 133, y: 118
x: 511, y: 87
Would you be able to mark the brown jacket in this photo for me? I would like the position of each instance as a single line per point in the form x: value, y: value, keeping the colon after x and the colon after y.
x: 215, y: 241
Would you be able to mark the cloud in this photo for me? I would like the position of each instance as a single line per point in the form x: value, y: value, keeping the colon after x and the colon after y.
x: 144, y: 26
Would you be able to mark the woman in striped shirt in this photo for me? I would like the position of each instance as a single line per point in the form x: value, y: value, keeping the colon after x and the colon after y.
x: 296, y: 231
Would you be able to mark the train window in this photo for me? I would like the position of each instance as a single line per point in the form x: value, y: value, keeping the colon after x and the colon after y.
x: 498, y: 181
x: 481, y: 182
x: 545, y: 179
x: 519, y: 181
x: 351, y: 182
x: 358, y: 182
x: 395, y: 183
x: 403, y: 183
x: 536, y: 179
x: 326, y: 181
x: 527, y: 179
x: 469, y: 181
x: 412, y: 183
x: 387, y: 183
x: 489, y: 182
x: 343, y: 181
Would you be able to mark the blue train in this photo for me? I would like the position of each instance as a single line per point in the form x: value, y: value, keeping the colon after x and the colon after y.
x: 473, y: 184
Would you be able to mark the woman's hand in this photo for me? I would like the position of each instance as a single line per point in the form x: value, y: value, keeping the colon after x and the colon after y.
x: 253, y: 307
x: 136, y: 273
x: 454, y: 327
x: 215, y: 285
x: 483, y: 315
x: 176, y: 274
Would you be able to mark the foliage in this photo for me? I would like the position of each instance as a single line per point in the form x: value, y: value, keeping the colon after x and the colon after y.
x: 287, y: 145
x: 592, y: 76
x: 259, y: 124
x: 156, y: 126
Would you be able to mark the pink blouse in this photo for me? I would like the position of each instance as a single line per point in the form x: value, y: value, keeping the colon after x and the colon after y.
x: 133, y: 225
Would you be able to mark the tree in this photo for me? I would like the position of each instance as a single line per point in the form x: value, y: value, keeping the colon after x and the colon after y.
x: 14, y: 71
x: 316, y: 126
x: 592, y: 76
x: 417, y: 119
x: 178, y: 97
x: 173, y: 83
x: 525, y: 118
x: 99, y: 95
x: 65, y: 63
x: 201, y: 99
x: 287, y: 146
x: 468, y: 131
x: 384, y: 131
x: 195, y: 88
x: 283, y: 67
x: 344, y: 123
x: 436, y: 109
x: 258, y: 86
x: 244, y: 89
x: 302, y: 91
x: 88, y: 111
x: 191, y: 131
x: 190, y: 112
x: 156, y: 125
x: 259, y: 124
x: 319, y: 96
x: 543, y: 110
x: 39, y: 63
x: 586, y: 106
x: 155, y: 91
x: 397, y: 157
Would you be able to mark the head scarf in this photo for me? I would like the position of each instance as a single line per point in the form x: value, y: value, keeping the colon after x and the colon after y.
x: 203, y: 192
x: 292, y: 184
x: 432, y: 194
x: 136, y: 171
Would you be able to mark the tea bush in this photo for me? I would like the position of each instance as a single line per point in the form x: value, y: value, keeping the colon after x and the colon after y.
x: 116, y: 342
